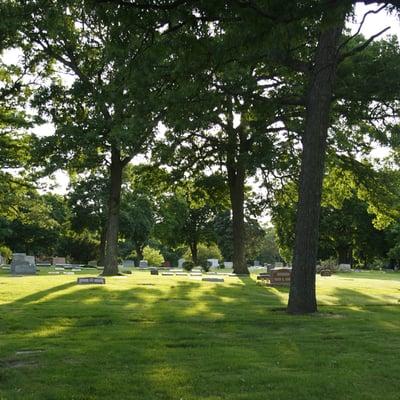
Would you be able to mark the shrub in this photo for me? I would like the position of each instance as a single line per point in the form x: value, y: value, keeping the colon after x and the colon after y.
x: 5, y: 252
x: 188, y: 265
x: 206, y: 266
x: 153, y: 256
x: 205, y: 252
x: 329, y: 264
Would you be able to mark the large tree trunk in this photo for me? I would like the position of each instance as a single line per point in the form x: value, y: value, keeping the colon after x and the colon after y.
x: 111, y: 253
x: 102, y: 249
x: 194, y: 252
x: 345, y: 255
x: 302, y: 298
x: 236, y: 177
x: 139, y: 253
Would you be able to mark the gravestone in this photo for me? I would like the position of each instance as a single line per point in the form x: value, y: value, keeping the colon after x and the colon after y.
x: 256, y: 263
x: 280, y: 277
x: 153, y: 271
x: 58, y: 261
x: 2, y: 260
x: 166, y: 264
x: 269, y: 267
x: 22, y: 264
x: 143, y: 264
x: 91, y: 280
x: 344, y: 268
x: 228, y: 264
x: 278, y: 265
x: 326, y: 272
x: 214, y: 262
x: 180, y: 262
x: 128, y: 263
x: 213, y: 279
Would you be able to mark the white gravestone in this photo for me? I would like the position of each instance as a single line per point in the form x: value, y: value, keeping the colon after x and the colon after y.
x: 344, y: 268
x: 228, y: 264
x: 128, y: 263
x: 214, y: 262
x: 180, y: 262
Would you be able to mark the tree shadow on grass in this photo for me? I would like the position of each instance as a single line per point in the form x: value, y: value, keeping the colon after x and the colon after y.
x: 177, y: 339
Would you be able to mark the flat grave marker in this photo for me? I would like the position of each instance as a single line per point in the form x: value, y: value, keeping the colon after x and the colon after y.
x: 91, y: 280
x: 213, y: 279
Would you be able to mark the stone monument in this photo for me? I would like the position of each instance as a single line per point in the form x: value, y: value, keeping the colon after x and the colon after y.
x: 22, y: 264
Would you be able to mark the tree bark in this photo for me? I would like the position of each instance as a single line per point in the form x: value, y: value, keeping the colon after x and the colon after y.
x: 102, y: 249
x: 139, y: 253
x: 236, y: 177
x: 194, y: 252
x: 302, y: 297
x: 344, y: 255
x: 111, y: 248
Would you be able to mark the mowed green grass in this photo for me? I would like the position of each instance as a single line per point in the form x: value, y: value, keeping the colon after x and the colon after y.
x: 155, y: 337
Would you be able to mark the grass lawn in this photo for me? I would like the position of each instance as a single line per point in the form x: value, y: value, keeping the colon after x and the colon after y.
x: 155, y: 337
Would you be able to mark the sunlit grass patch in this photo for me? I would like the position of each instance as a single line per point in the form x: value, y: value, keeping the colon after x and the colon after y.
x: 153, y: 337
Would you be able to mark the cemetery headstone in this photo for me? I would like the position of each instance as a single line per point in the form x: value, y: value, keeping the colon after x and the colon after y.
x: 180, y: 262
x: 214, y: 262
x: 153, y: 271
x: 22, y: 264
x: 280, y: 277
x: 91, y: 280
x: 256, y: 263
x: 278, y: 265
x: 58, y: 261
x: 128, y: 263
x: 143, y: 264
x: 344, y: 268
x: 326, y: 272
x: 228, y: 264
x: 213, y: 279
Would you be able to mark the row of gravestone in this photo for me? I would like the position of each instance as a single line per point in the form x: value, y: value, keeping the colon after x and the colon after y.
x: 213, y: 262
x: 22, y: 264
